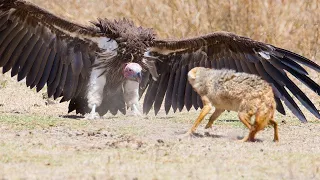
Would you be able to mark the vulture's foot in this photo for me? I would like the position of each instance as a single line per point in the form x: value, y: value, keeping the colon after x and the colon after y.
x: 135, y: 111
x: 92, y: 116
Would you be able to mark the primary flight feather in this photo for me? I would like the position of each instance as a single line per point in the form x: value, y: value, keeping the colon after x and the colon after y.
x: 84, y: 65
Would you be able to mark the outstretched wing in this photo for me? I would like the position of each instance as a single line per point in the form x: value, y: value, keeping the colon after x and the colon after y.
x: 45, y: 49
x: 225, y: 50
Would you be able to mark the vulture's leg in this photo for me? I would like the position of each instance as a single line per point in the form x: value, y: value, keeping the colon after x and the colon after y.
x: 131, y: 96
x: 135, y: 110
x: 95, y: 92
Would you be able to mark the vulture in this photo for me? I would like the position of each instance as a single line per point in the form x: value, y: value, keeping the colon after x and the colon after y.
x: 133, y: 75
x: 84, y: 64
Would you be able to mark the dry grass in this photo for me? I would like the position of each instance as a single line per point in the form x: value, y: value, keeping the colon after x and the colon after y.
x: 290, y: 24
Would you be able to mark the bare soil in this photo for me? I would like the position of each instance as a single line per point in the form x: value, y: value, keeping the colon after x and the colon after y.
x: 39, y: 140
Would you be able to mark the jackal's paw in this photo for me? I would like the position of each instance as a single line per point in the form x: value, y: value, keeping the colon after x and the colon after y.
x: 276, y: 140
x: 246, y: 139
x: 188, y: 135
x: 91, y: 116
x: 208, y: 126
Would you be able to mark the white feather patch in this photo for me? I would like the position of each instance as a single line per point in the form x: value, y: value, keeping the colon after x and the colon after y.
x: 264, y: 54
x: 95, y: 87
x: 106, y: 43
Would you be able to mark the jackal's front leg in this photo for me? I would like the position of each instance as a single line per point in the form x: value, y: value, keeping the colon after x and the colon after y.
x: 204, y: 111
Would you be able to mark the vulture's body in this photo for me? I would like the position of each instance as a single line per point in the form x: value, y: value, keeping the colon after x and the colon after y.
x: 84, y: 65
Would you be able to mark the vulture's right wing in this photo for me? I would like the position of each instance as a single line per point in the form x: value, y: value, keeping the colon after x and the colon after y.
x: 226, y: 50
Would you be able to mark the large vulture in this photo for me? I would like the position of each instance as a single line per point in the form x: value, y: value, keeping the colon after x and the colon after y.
x: 84, y: 65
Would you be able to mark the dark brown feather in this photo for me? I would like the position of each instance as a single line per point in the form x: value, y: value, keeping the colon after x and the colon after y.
x: 174, y: 97
x: 26, y: 66
x: 55, y: 74
x: 14, y: 51
x: 6, y: 42
x: 161, y: 92
x: 7, y: 52
x: 38, y: 68
x: 34, y: 69
x: 227, y: 50
x: 46, y: 71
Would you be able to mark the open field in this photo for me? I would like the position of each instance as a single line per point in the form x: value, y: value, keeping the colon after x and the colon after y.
x: 38, y: 145
x: 39, y: 140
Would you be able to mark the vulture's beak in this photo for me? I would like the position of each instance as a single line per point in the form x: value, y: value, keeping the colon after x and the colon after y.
x: 139, y: 77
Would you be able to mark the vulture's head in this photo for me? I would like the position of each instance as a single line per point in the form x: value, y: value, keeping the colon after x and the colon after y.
x: 132, y: 71
x: 132, y: 40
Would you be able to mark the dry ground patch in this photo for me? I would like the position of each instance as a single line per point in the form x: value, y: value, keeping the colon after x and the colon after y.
x: 121, y: 147
x: 41, y: 141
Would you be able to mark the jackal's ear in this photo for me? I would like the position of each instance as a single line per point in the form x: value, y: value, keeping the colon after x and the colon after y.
x: 192, y: 73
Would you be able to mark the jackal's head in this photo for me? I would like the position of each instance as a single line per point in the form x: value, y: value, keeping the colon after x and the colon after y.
x: 193, y: 74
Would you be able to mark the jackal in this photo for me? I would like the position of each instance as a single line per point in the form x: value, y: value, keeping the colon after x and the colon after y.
x: 244, y: 93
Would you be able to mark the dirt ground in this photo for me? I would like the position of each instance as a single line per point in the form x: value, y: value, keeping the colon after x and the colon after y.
x: 39, y: 140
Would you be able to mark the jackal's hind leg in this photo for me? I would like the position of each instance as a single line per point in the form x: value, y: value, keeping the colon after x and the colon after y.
x: 245, y: 119
x: 260, y: 123
x: 275, y: 127
x: 213, y: 117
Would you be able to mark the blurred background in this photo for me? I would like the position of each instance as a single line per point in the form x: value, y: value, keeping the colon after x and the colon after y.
x: 291, y: 24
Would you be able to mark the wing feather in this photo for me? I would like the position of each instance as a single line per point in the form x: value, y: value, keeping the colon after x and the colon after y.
x: 28, y: 62
x: 182, y: 86
x: 24, y: 55
x: 34, y: 69
x: 168, y: 99
x: 45, y: 49
x: 175, y: 90
x: 62, y: 82
x: 152, y: 91
x: 227, y: 50
x: 49, y: 65
x: 161, y: 92
x: 38, y: 68
x: 13, y: 53
x: 55, y: 75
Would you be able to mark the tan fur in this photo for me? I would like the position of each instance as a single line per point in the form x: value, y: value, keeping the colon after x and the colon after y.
x: 247, y: 94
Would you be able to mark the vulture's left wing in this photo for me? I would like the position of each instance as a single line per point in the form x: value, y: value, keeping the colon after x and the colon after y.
x: 46, y: 49
x: 225, y: 50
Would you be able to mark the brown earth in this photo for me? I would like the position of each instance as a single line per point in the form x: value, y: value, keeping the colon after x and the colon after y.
x: 42, y: 141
